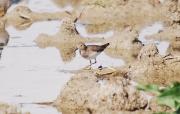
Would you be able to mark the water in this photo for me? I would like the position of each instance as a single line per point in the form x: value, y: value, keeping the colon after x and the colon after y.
x: 30, y: 74
x: 82, y: 30
x: 155, y: 28
x: 34, y: 74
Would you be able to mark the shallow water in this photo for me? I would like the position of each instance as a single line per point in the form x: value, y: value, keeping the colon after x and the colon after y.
x: 30, y: 74
x: 155, y: 28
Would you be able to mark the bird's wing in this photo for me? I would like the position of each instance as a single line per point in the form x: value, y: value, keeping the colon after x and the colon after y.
x: 97, y: 47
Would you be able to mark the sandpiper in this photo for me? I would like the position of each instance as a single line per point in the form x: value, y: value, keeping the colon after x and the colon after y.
x: 91, y: 51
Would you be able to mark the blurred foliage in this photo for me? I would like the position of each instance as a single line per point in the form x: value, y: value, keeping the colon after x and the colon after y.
x: 169, y: 96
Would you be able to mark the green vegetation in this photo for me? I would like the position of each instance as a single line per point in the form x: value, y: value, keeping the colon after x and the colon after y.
x: 169, y: 96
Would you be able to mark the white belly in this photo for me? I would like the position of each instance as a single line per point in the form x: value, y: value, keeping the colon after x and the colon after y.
x: 3, y: 41
x: 93, y: 55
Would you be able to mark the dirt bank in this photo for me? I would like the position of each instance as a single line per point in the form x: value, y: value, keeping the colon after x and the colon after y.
x: 22, y: 17
x: 112, y: 14
x: 124, y: 45
x: 96, y: 94
x: 171, y: 29
x: 152, y: 68
x: 9, y: 109
x: 174, y: 47
x: 4, y: 36
x: 65, y: 40
x: 93, y: 93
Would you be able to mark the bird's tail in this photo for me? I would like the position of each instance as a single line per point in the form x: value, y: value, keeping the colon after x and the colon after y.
x: 105, y: 45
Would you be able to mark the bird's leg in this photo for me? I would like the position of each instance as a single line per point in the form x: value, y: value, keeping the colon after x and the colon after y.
x: 90, y: 62
x: 94, y: 61
x: 89, y: 66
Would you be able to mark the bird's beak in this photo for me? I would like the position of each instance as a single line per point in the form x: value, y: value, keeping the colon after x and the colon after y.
x: 76, y: 49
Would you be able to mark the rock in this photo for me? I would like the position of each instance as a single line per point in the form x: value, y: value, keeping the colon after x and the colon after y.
x: 87, y: 93
x: 167, y: 34
x: 170, y: 34
x: 158, y: 108
x: 108, y: 112
x: 112, y: 14
x: 171, y: 9
x: 4, y: 36
x: 9, y: 109
x: 152, y: 68
x: 112, y: 91
x: 63, y: 3
x: 65, y: 40
x: 22, y: 17
x: 171, y: 29
x: 124, y: 45
x: 4, y: 5
x: 174, y: 47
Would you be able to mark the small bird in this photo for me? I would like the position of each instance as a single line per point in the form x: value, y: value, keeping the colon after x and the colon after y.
x: 91, y: 51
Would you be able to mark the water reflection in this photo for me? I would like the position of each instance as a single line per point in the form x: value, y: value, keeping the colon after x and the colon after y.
x: 22, y: 17
x: 123, y: 44
x: 26, y: 69
x: 29, y: 64
x: 65, y: 40
x: 150, y: 30
x: 4, y: 36
x: 5, y: 4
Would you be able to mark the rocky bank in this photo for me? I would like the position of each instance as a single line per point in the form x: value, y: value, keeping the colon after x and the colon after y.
x: 9, y: 109
x: 90, y: 93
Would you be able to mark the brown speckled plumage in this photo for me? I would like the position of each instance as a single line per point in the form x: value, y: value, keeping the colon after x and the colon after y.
x: 91, y: 51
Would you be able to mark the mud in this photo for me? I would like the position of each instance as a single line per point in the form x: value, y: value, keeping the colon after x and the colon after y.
x: 171, y: 30
x: 109, y: 90
x: 4, y: 36
x: 174, y: 47
x: 152, y: 68
x: 113, y: 14
x: 91, y: 92
x: 170, y: 34
x: 124, y: 45
x: 85, y: 92
x: 22, y: 17
x: 9, y: 109
x: 65, y: 40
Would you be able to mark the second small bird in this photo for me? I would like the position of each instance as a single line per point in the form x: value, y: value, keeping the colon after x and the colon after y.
x: 91, y: 51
